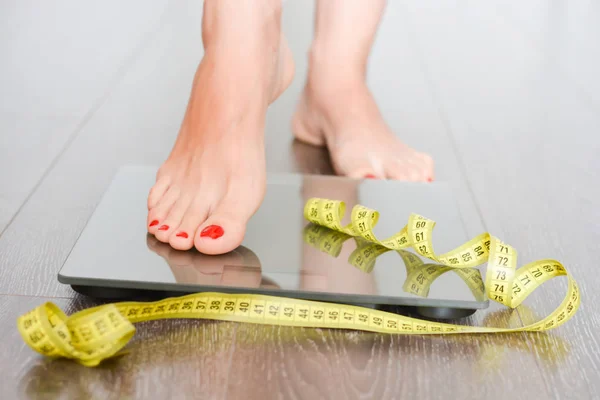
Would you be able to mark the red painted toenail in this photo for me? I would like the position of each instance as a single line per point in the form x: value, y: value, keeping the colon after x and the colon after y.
x: 163, y: 228
x: 155, y: 222
x: 182, y: 234
x: 370, y: 176
x: 212, y: 231
x: 429, y: 179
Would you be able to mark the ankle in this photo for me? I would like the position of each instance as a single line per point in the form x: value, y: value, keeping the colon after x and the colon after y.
x: 241, y: 25
x: 331, y: 73
x: 336, y: 60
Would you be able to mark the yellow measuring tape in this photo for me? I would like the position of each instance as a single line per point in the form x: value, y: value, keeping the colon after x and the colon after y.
x: 419, y: 276
x: 98, y: 333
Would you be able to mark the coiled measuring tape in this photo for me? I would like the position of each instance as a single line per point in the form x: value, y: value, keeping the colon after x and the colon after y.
x: 419, y: 276
x: 95, y: 334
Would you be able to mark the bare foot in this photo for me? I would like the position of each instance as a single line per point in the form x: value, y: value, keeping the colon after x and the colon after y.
x: 214, y: 179
x: 339, y: 111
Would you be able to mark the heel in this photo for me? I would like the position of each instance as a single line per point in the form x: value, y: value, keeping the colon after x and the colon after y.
x: 303, y: 128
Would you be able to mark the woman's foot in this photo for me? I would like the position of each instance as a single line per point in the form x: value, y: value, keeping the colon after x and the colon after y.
x: 338, y: 110
x: 214, y: 179
x: 343, y: 115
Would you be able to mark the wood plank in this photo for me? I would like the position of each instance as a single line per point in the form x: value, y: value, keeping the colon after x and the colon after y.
x: 315, y: 363
x: 532, y: 139
x: 28, y: 145
x: 167, y: 359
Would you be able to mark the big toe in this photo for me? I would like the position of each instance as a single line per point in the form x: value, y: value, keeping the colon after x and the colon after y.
x: 426, y: 165
x: 358, y: 164
x: 222, y: 232
x: 415, y: 167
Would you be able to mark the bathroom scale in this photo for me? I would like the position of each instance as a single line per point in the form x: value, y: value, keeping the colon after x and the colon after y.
x: 282, y: 254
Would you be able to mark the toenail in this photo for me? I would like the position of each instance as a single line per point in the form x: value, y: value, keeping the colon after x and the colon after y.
x: 429, y: 179
x: 182, y: 234
x: 212, y: 231
x: 163, y: 228
x: 370, y: 176
x: 155, y: 222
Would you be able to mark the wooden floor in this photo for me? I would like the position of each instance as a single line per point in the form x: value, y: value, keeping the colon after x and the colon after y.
x: 504, y: 95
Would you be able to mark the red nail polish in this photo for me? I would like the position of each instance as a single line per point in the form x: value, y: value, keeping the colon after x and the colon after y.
x: 212, y: 231
x: 182, y: 234
x: 155, y: 222
x: 370, y: 176
x: 163, y: 228
x: 429, y: 180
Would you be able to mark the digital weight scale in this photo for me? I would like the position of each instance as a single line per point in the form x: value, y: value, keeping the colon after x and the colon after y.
x: 115, y: 258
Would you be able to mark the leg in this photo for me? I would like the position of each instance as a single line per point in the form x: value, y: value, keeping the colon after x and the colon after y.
x: 338, y: 110
x: 214, y: 178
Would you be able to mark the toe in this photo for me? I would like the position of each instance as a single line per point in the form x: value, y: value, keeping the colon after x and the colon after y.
x: 411, y: 168
x: 182, y: 238
x: 397, y: 171
x: 427, y: 165
x: 416, y: 170
x: 401, y: 170
x: 220, y: 234
x: 361, y: 168
x: 398, y: 174
x: 158, y: 214
x: 171, y: 223
x: 158, y: 191
x: 364, y: 173
x: 224, y: 229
